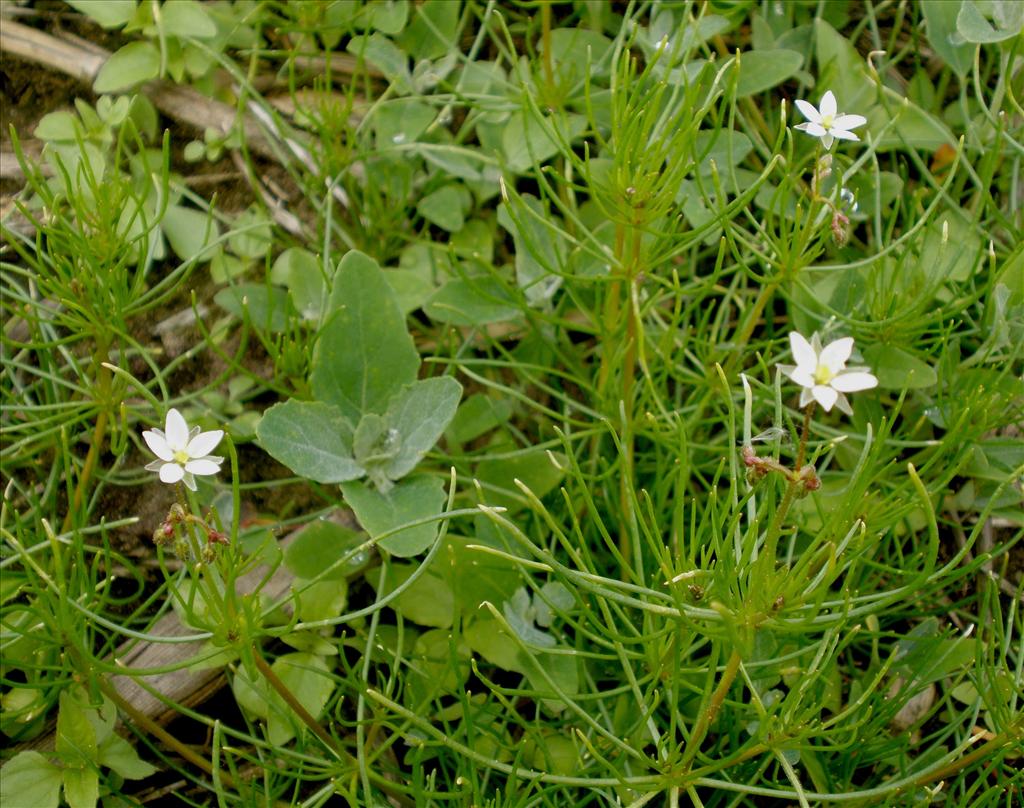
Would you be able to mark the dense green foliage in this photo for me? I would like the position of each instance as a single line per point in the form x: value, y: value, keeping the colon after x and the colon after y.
x: 494, y: 338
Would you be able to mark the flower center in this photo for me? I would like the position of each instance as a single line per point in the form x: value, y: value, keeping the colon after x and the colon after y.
x: 181, y: 457
x: 822, y: 374
x: 826, y: 121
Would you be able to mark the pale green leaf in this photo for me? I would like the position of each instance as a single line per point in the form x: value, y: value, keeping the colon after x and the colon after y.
x: 81, y: 786
x: 897, y: 369
x: 29, y: 779
x: 108, y: 13
x: 133, y: 64
x: 412, y: 499
x: 187, y: 18
x: 311, y: 438
x: 761, y: 70
x: 189, y: 232
x: 364, y: 354
x: 420, y: 413
x: 117, y: 754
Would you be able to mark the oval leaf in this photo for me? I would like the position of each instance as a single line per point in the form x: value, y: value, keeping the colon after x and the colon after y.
x: 898, y: 370
x: 420, y: 412
x: 311, y: 438
x: 764, y: 69
x: 412, y: 499
x: 364, y: 354
x: 134, y: 63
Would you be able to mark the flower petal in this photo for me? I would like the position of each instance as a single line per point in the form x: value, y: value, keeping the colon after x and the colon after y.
x: 202, y: 467
x: 157, y: 444
x: 848, y: 121
x: 803, y: 353
x: 806, y: 397
x: 814, y: 129
x: 204, y: 443
x: 844, y: 404
x: 828, y: 139
x: 190, y: 481
x: 835, y: 354
x: 171, y: 473
x: 808, y: 111
x: 828, y: 105
x: 825, y: 396
x: 851, y: 382
x: 177, y: 430
x: 842, y: 134
x: 154, y: 465
x: 803, y: 377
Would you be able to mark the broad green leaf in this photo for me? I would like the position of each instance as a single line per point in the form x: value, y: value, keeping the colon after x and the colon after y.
x: 940, y: 19
x: 387, y: 57
x: 551, y: 752
x: 133, y: 64
x: 388, y: 16
x: 58, y: 126
x: 540, y: 251
x: 477, y: 415
x: 117, y: 754
x: 579, y: 53
x: 308, y: 678
x: 472, y: 301
x: 311, y: 438
x: 726, y: 147
x: 436, y: 665
x: 364, y: 354
x: 533, y: 467
x: 428, y: 601
x: 251, y: 234
x: 855, y: 92
x: 527, y: 141
x: 189, y: 232
x: 320, y: 600
x: 474, y: 574
x: 761, y: 70
x: 29, y: 779
x: 973, y: 26
x: 81, y: 786
x: 108, y: 13
x: 302, y: 274
x: 420, y: 413
x: 266, y: 307
x: 412, y: 499
x: 76, y: 736
x: 432, y: 31
x: 401, y: 120
x: 561, y: 669
x: 314, y: 551
x: 897, y: 369
x: 412, y: 287
x: 187, y: 18
x: 848, y: 78
x: 487, y: 637
x: 446, y: 207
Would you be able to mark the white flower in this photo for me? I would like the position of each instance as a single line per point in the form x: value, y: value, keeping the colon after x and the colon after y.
x: 182, y: 453
x: 826, y: 124
x: 823, y: 374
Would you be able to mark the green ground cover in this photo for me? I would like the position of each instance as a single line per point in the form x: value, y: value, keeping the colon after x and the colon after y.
x: 627, y: 394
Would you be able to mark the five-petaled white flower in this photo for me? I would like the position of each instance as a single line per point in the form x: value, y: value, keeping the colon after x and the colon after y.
x: 825, y: 123
x: 182, y: 454
x: 823, y: 374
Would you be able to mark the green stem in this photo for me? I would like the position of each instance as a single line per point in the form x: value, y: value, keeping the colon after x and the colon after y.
x: 304, y: 715
x: 99, y: 433
x: 707, y: 718
x: 283, y: 691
